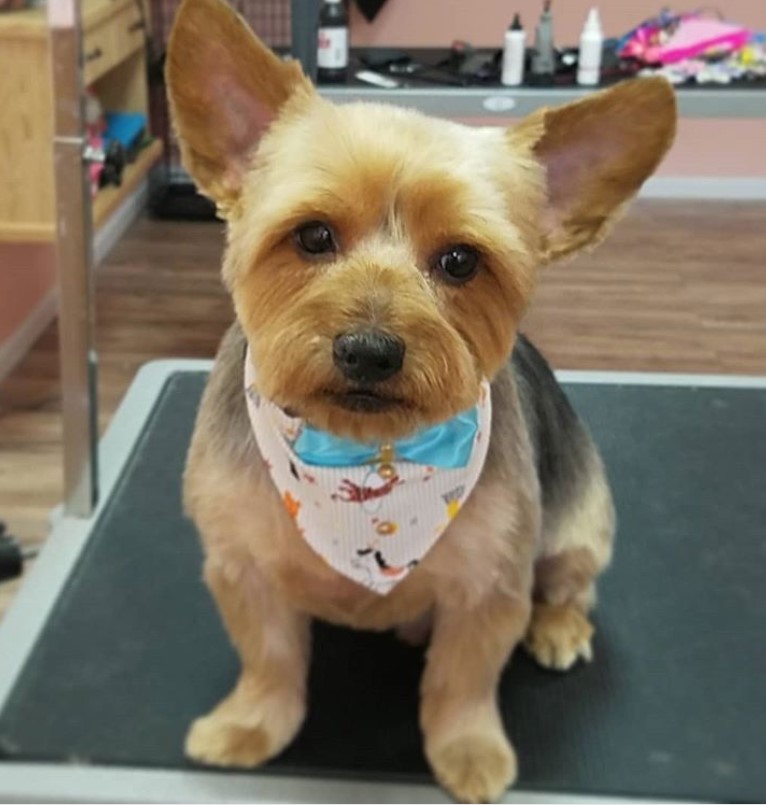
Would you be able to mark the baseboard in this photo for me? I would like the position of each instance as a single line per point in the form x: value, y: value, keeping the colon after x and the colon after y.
x: 707, y: 188
x: 25, y: 335
x: 21, y: 341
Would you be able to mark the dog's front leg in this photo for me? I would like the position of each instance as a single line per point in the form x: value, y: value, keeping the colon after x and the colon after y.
x: 260, y: 717
x: 465, y: 741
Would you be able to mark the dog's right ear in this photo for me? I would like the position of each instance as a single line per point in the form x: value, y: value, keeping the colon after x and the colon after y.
x: 225, y: 88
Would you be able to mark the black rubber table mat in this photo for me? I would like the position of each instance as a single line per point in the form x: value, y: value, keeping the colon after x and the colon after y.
x: 673, y: 706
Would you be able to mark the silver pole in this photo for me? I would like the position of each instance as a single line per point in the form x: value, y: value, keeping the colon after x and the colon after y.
x: 75, y: 259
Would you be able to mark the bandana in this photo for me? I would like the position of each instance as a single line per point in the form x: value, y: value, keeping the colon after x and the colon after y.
x: 371, y: 511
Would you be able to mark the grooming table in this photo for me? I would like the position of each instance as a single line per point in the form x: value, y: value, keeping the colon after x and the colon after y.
x: 114, y: 646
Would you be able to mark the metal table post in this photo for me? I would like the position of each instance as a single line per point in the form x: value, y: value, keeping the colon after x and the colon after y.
x: 75, y: 261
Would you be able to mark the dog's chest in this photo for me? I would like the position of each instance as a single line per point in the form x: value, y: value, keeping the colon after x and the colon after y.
x: 314, y: 587
x: 473, y: 554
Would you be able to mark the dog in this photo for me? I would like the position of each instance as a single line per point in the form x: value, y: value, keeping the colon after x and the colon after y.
x: 378, y: 446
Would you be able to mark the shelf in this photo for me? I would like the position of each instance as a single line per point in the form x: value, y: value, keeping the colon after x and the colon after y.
x: 109, y: 198
x: 26, y: 232
x: 502, y: 102
x: 104, y: 204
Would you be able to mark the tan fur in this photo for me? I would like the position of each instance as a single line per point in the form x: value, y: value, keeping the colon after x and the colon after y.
x: 396, y: 188
x: 576, y: 546
x: 578, y: 538
x: 566, y: 577
x: 559, y: 635
x: 232, y: 70
x: 464, y: 737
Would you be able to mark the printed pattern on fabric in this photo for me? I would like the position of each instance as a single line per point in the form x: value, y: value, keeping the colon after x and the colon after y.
x: 374, y: 521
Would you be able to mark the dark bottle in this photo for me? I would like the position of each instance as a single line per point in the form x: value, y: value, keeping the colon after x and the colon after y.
x: 332, y: 54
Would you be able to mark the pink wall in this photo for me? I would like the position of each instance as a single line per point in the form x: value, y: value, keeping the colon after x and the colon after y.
x: 27, y: 273
x: 703, y: 148
x: 717, y: 148
x: 482, y: 22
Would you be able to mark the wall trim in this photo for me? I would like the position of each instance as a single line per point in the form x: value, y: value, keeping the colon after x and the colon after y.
x: 709, y: 188
x: 16, y: 346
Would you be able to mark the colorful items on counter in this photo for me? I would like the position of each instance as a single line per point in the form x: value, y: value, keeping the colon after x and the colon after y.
x: 672, y: 39
x: 747, y: 63
x: 695, y: 47
x: 686, y: 47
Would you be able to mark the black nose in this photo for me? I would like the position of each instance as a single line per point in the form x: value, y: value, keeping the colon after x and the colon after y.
x: 368, y: 357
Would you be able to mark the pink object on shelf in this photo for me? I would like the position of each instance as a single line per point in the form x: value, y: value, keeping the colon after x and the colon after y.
x: 94, y: 131
x: 692, y: 36
x: 698, y: 35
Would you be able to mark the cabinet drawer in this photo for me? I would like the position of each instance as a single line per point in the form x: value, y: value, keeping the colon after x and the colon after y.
x: 99, y: 51
x: 113, y: 38
x: 129, y: 31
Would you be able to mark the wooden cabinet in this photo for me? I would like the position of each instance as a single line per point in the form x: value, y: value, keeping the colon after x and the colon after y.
x: 114, y: 64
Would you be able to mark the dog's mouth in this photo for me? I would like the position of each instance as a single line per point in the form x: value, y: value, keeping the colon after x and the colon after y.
x: 365, y: 401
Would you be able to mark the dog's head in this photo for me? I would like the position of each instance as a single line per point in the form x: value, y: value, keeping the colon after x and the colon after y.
x: 379, y: 260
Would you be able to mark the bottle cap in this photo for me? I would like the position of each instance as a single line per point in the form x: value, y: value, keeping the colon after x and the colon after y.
x: 593, y: 23
x: 516, y: 24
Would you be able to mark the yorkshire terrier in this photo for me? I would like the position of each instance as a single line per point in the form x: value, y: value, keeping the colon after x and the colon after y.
x: 377, y: 445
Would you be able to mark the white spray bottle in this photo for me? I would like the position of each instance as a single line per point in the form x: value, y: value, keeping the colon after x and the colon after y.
x: 514, y: 52
x: 591, y: 49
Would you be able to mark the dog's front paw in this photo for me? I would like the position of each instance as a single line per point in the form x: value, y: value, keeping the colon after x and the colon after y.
x: 475, y: 768
x: 558, y: 636
x: 217, y: 742
x: 243, y: 737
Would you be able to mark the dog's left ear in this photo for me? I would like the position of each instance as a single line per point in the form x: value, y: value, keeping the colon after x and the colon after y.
x: 596, y: 154
x: 225, y: 89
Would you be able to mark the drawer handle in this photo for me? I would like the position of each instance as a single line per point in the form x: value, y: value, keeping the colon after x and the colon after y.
x: 136, y: 26
x: 94, y: 54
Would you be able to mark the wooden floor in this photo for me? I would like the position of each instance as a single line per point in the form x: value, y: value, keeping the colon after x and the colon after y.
x: 678, y: 287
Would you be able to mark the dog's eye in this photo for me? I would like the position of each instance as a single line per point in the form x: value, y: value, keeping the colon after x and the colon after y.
x: 458, y: 264
x: 315, y: 238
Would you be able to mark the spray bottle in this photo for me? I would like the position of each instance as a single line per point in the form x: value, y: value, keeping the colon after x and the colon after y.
x: 514, y: 51
x: 591, y: 50
x: 544, y: 60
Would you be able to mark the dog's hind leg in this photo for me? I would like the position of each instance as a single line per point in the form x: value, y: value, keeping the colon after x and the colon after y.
x: 578, y: 516
x: 577, y: 539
